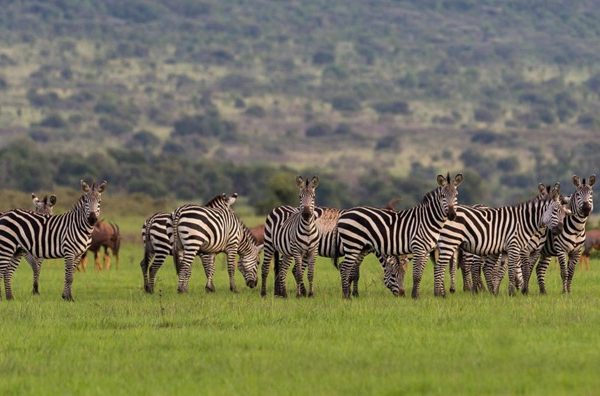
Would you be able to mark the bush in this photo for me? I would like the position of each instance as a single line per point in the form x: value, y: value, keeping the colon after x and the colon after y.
x: 484, y: 115
x: 53, y: 121
x: 318, y: 130
x: 345, y: 103
x: 509, y: 164
x: 589, y: 121
x: 146, y: 139
x: 395, y: 107
x: 42, y: 100
x: 343, y: 129
x: 255, y: 111
x: 115, y: 126
x: 323, y: 57
x: 209, y: 124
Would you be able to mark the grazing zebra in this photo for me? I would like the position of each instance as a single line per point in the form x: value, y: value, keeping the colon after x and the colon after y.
x: 491, y: 231
x: 157, y: 236
x: 390, y: 233
x: 326, y: 222
x: 567, y: 243
x: 67, y: 235
x: 293, y: 236
x: 200, y: 229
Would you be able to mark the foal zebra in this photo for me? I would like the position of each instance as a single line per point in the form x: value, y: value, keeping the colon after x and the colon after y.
x: 157, y: 236
x: 293, y: 236
x: 326, y: 220
x: 67, y: 235
x: 199, y: 229
x: 390, y: 233
x: 567, y: 243
x: 490, y: 231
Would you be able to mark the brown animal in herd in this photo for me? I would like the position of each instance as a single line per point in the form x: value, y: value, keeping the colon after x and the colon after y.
x: 105, y: 235
x: 592, y: 241
x: 258, y: 233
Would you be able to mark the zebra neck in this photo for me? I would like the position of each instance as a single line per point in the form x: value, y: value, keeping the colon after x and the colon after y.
x: 78, y: 217
x: 433, y: 209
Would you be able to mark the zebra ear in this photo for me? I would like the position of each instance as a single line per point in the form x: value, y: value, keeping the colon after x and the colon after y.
x: 458, y: 179
x: 300, y: 182
x: 576, y: 180
x: 592, y: 180
x: 567, y: 210
x: 441, y: 180
x: 541, y: 188
x: 314, y: 181
x: 52, y: 200
x: 84, y: 186
x: 556, y: 191
x: 101, y: 187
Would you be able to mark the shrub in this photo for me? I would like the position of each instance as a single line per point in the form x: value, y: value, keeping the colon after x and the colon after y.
x: 484, y: 115
x: 115, y: 126
x: 318, y: 130
x: 345, y: 103
x: 255, y: 111
x: 394, y: 107
x: 53, y: 121
x: 323, y: 57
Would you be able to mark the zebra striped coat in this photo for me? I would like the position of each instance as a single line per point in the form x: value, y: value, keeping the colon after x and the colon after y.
x: 44, y: 206
x: 390, y: 233
x: 293, y: 236
x: 326, y: 221
x: 199, y: 229
x: 492, y: 231
x: 157, y: 236
x: 67, y: 235
x: 568, y: 243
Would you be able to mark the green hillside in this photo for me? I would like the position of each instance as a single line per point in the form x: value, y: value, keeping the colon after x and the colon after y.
x: 183, y: 98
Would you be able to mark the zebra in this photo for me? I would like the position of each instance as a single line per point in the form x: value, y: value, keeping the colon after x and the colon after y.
x: 491, y: 231
x: 326, y: 222
x: 67, y: 235
x: 293, y: 236
x: 391, y: 233
x: 157, y: 235
x: 567, y: 243
x: 43, y: 206
x: 493, y: 265
x: 199, y: 229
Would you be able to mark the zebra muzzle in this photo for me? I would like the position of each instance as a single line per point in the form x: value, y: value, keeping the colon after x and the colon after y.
x: 92, y: 218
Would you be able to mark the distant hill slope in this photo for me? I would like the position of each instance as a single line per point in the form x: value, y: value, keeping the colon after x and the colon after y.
x: 404, y: 86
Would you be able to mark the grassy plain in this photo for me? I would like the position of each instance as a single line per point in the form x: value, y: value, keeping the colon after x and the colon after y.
x: 115, y: 339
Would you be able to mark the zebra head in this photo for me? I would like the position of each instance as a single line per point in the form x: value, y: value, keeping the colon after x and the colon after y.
x: 223, y: 201
x: 394, y: 269
x: 306, y: 194
x: 44, y: 205
x: 91, y: 199
x: 448, y: 194
x: 248, y: 265
x: 582, y: 201
x: 554, y: 215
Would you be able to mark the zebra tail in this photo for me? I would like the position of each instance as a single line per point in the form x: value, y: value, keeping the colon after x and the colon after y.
x: 117, y: 239
x: 177, y: 245
x: 336, y: 251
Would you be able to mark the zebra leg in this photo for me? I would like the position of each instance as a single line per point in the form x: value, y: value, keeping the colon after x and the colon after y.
x: 268, y: 254
x: 465, y: 265
x: 158, y: 261
x: 298, y: 273
x: 489, y: 272
x: 311, y: 272
x: 541, y: 273
x: 36, y: 265
x: 514, y: 258
x: 563, y: 263
x: 281, y: 277
x: 346, y: 269
x: 453, y: 266
x: 419, y: 260
x: 439, y: 290
x: 355, y: 276
x: 69, y: 268
x: 208, y: 262
x: 231, y: 268
x: 144, y: 267
x: 185, y: 271
x: 476, y: 263
x: 573, y: 260
x: 299, y: 277
x: 527, y: 269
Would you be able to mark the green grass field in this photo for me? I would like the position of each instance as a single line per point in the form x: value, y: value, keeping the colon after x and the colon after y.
x: 115, y: 339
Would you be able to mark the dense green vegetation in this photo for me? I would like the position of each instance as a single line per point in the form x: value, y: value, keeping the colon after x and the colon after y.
x: 116, y: 339
x: 185, y: 98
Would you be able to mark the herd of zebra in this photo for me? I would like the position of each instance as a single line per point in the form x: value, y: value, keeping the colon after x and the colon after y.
x: 478, y: 237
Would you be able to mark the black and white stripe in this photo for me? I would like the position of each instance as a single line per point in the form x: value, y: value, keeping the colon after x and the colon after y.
x: 491, y: 231
x: 200, y: 229
x: 293, y: 236
x: 67, y: 235
x: 157, y: 236
x: 568, y: 242
x: 390, y: 233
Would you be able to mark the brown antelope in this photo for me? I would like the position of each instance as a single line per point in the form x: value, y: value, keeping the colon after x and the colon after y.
x: 105, y: 235
x: 592, y: 241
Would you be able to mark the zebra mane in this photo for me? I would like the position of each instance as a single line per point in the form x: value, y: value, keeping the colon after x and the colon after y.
x: 215, y: 199
x: 245, y: 229
x: 429, y: 195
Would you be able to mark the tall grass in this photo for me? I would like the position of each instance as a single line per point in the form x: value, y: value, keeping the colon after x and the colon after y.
x: 115, y: 339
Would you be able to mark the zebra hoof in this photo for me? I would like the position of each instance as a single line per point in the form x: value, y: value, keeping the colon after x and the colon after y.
x: 414, y: 294
x: 209, y: 289
x: 263, y: 293
x: 67, y: 297
x: 311, y: 294
x: 452, y: 290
